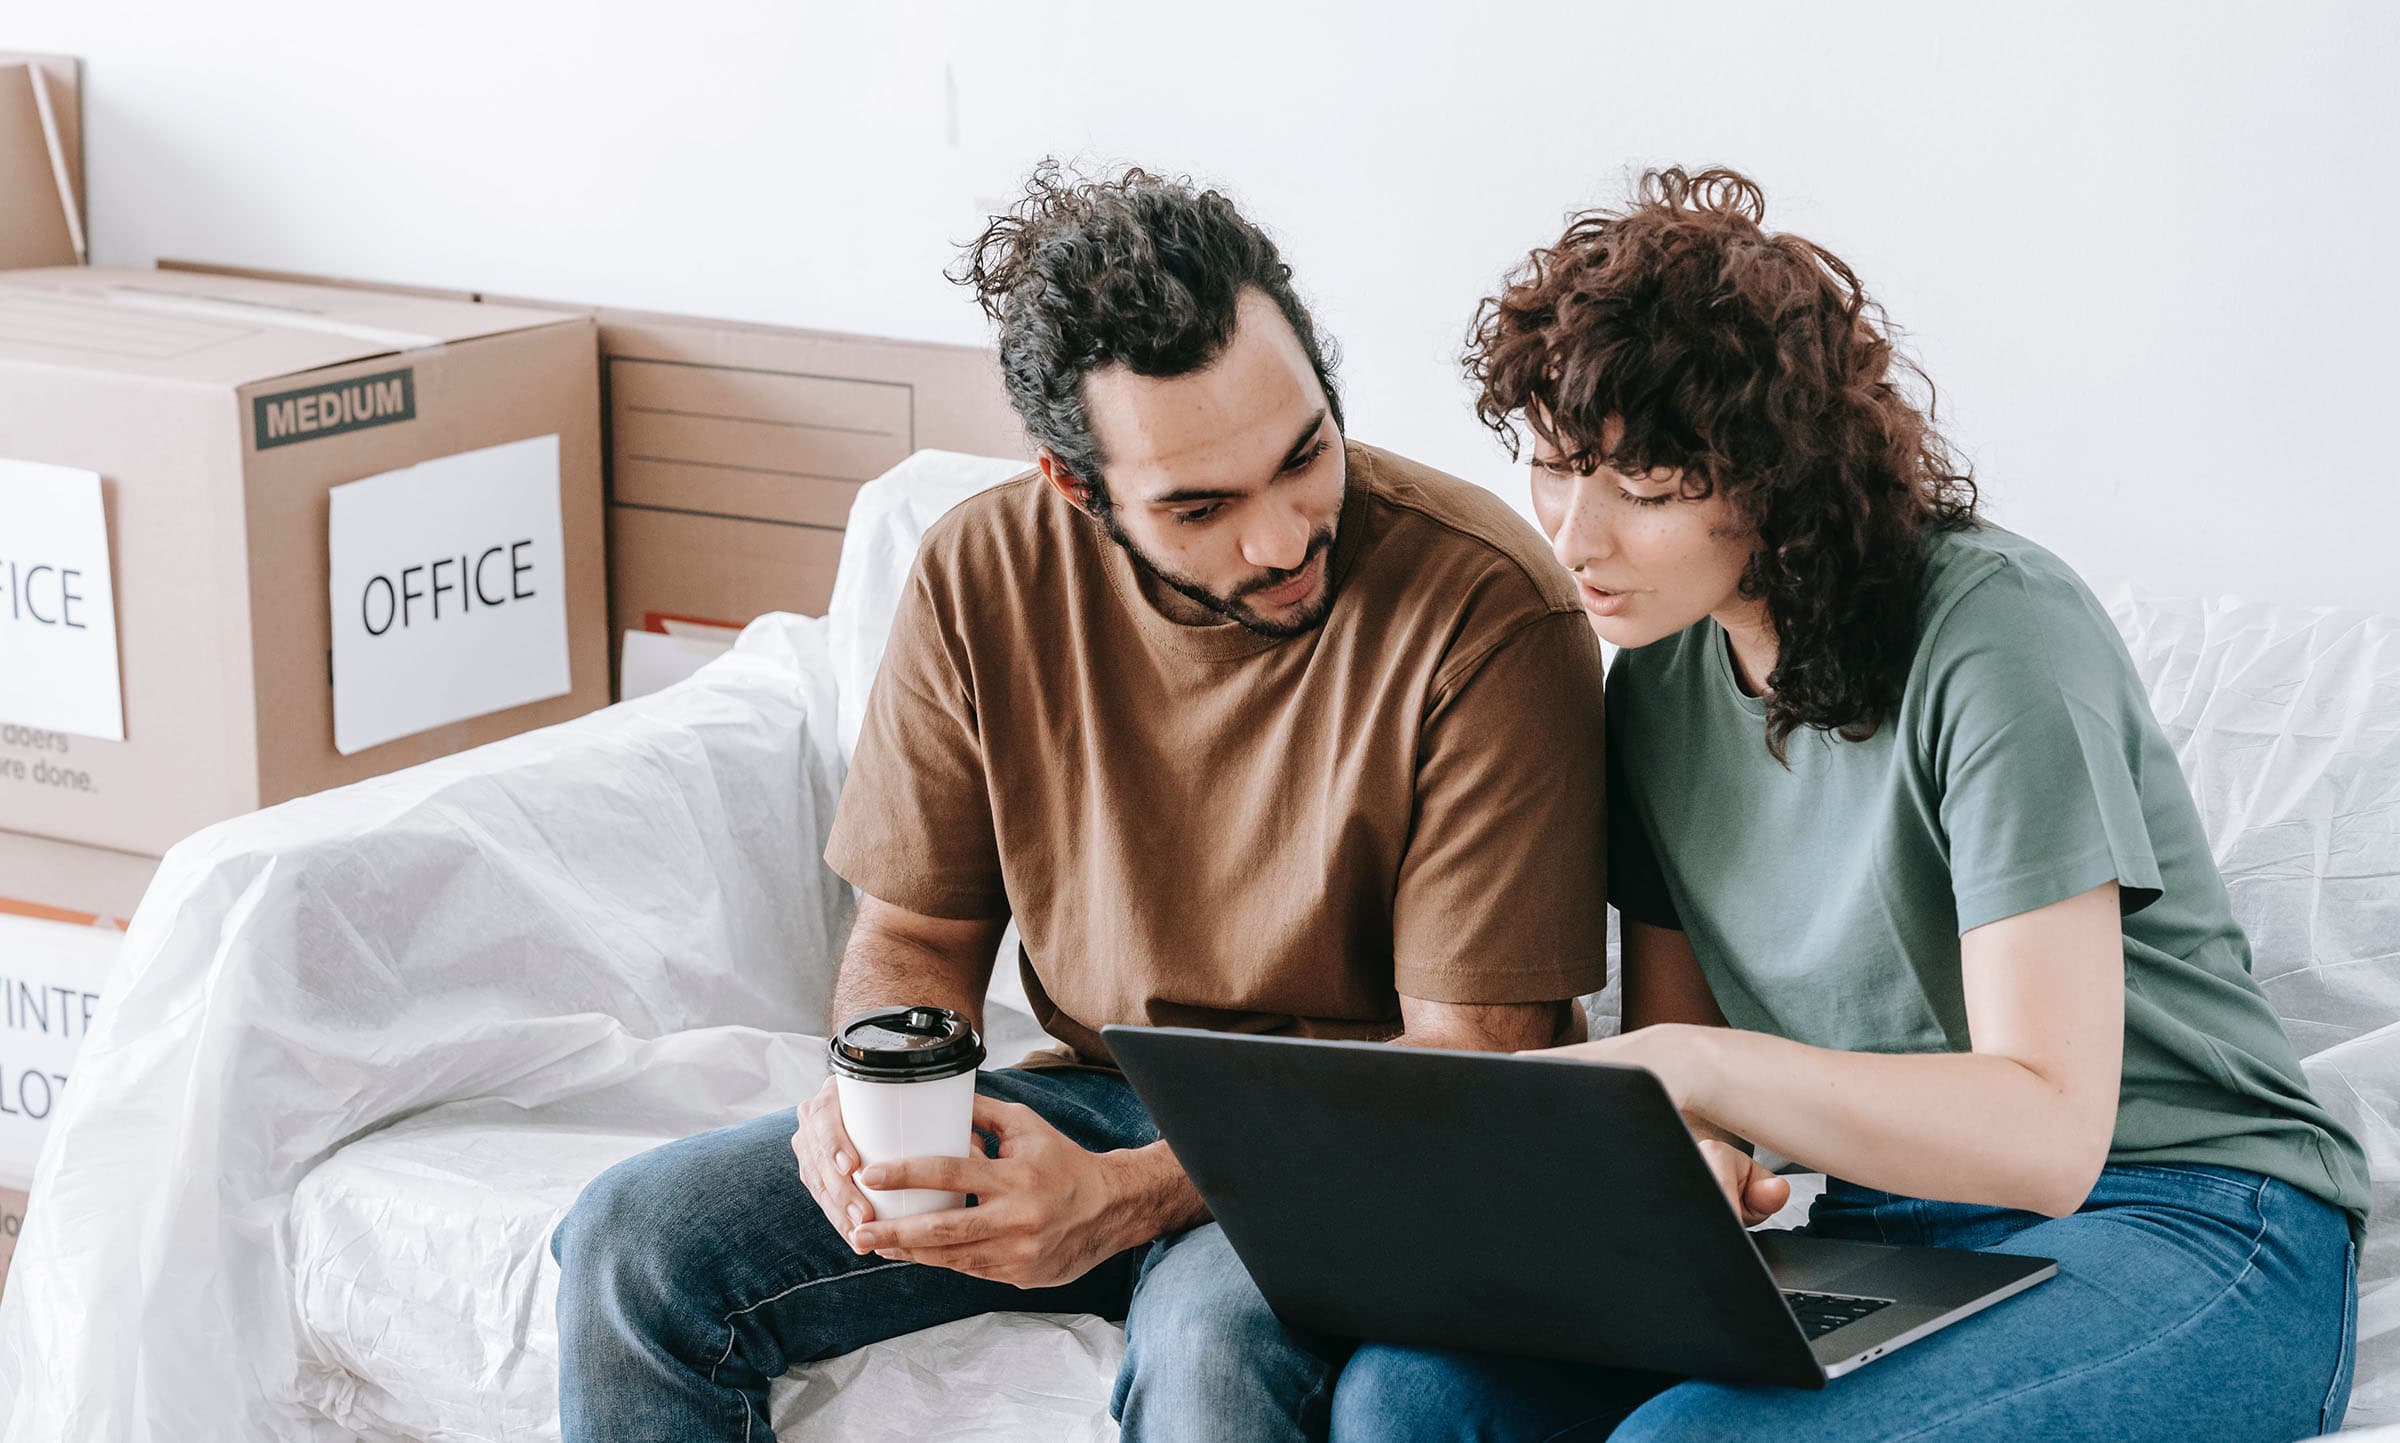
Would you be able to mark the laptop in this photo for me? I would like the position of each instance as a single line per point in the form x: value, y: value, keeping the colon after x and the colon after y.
x: 1521, y: 1205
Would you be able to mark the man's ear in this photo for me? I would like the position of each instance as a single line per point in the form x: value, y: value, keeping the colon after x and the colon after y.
x: 1077, y: 491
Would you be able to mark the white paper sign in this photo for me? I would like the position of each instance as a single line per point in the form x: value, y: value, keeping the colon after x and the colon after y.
x: 448, y: 587
x: 654, y: 662
x: 58, y: 607
x: 51, y: 977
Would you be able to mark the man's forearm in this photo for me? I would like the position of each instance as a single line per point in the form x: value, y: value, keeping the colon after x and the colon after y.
x: 1492, y: 1027
x: 884, y: 968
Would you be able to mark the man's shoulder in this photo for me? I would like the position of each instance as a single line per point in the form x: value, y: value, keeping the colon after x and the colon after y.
x: 1455, y: 535
x: 1000, y: 516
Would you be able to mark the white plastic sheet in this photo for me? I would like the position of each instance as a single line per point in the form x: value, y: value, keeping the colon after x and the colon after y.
x: 533, y: 924
x: 2287, y: 723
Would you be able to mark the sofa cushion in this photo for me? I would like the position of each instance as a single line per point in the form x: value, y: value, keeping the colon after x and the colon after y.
x: 426, y: 1291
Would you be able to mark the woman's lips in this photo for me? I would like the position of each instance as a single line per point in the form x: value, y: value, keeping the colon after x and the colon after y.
x: 1601, y: 602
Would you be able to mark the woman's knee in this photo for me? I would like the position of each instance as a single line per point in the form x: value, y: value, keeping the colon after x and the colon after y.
x: 1389, y: 1392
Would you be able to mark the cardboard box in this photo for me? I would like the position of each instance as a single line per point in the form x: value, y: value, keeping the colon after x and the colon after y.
x: 41, y: 161
x: 56, y: 881
x: 63, y: 912
x: 221, y: 416
x: 12, y: 1222
x: 735, y: 450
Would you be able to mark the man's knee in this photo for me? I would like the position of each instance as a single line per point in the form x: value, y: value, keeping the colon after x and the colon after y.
x: 1201, y: 1343
x: 617, y: 1243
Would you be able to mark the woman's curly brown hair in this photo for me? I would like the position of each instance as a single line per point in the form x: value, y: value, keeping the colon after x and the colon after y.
x: 1754, y: 363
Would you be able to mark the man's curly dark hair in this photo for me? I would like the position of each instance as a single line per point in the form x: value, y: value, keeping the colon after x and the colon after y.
x: 1139, y: 271
x: 1751, y: 362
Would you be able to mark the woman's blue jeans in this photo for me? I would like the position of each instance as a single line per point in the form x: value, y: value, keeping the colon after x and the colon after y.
x: 2190, y: 1302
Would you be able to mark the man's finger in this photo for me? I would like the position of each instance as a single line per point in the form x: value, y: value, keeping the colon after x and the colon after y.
x: 948, y: 1228
x: 941, y: 1174
x: 974, y: 1262
x: 826, y: 1159
x: 1000, y: 1117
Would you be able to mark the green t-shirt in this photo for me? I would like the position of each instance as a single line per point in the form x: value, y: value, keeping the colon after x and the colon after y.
x: 2023, y: 767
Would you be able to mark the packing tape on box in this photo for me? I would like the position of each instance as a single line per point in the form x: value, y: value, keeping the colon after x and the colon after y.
x: 260, y: 313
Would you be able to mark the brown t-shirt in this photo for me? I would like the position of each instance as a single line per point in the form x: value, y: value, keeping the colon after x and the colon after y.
x: 1199, y: 826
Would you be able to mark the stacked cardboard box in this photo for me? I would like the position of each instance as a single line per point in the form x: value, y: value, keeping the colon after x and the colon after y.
x: 41, y: 161
x: 262, y: 540
x: 41, y: 224
x: 734, y: 450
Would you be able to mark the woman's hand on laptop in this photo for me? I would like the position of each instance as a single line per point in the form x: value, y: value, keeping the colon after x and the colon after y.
x: 1755, y: 1192
x: 1678, y: 1054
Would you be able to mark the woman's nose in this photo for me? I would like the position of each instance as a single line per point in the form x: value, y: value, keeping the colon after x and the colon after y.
x: 1583, y: 536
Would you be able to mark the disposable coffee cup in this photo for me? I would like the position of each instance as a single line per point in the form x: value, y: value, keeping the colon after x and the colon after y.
x: 906, y: 1078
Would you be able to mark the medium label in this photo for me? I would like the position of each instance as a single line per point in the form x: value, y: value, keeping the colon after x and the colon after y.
x: 333, y: 408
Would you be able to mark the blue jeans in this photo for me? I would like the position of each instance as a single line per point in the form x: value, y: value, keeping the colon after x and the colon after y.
x: 693, y: 1275
x: 2190, y: 1302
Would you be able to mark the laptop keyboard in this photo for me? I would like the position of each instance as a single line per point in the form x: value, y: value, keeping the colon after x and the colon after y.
x: 1821, y: 1313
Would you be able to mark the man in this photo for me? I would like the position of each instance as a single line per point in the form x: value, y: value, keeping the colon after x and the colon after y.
x: 1248, y: 727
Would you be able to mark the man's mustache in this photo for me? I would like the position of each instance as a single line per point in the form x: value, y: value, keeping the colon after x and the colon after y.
x: 1317, y: 544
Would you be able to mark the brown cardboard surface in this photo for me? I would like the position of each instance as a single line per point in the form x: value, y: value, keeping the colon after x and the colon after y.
x: 64, y: 77
x: 494, y: 390
x: 736, y: 449
x: 12, y: 1222
x: 219, y: 546
x: 220, y: 330
x: 39, y: 226
x: 709, y: 569
x: 62, y: 882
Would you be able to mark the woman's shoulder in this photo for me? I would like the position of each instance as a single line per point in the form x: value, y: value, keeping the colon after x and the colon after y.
x: 2001, y: 611
x: 1985, y: 584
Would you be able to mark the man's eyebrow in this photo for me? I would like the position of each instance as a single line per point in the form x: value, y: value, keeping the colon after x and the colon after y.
x: 1188, y: 494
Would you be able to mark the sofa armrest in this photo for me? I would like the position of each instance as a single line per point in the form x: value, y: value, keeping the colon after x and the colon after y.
x: 521, y: 923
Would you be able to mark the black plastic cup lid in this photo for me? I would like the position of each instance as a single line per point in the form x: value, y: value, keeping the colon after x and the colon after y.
x: 905, y: 1044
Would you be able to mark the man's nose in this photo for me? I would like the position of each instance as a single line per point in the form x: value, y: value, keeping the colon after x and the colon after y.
x: 1279, y: 541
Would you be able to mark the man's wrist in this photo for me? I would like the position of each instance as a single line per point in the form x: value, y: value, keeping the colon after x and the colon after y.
x: 1151, y: 1194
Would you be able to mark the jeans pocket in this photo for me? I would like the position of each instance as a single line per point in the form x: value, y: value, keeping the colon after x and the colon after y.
x: 2337, y: 1394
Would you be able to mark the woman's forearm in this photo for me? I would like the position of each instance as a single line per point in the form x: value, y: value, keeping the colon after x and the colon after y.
x: 1959, y: 1127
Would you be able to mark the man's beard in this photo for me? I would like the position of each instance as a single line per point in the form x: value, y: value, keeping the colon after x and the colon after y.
x: 1232, y: 608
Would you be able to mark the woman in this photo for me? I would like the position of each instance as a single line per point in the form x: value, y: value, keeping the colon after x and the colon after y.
x: 1913, y: 891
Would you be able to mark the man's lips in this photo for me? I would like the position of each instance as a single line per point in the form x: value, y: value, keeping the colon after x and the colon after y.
x: 1294, y: 590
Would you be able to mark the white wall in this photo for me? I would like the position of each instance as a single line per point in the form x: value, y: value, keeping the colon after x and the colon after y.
x: 2146, y: 250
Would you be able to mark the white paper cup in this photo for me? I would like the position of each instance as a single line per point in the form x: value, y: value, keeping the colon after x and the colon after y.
x: 905, y: 1077
x: 894, y: 1120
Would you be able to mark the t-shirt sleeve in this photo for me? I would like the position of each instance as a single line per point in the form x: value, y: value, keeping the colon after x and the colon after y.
x: 1501, y: 892
x: 2036, y: 722
x: 1636, y: 887
x: 915, y: 823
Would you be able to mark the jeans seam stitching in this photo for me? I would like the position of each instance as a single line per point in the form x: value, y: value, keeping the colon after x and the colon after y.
x: 2349, y: 1348
x: 726, y: 1322
x: 2258, y: 1244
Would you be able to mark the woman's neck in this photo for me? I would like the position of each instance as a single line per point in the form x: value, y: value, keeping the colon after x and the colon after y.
x: 1750, y: 636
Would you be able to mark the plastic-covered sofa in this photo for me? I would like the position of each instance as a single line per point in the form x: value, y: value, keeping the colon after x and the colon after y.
x: 367, y: 1046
